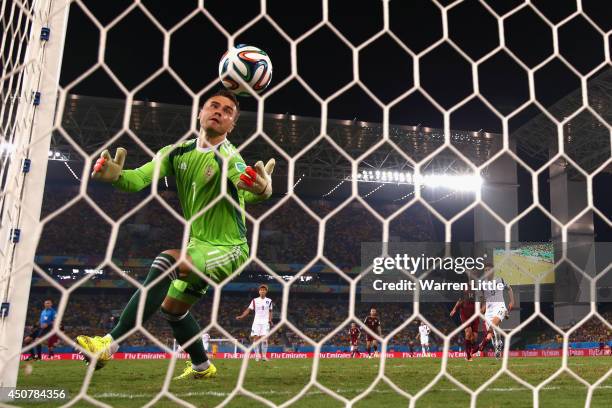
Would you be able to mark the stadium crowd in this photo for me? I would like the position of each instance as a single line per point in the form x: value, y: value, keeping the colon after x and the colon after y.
x: 289, y: 236
x: 594, y: 330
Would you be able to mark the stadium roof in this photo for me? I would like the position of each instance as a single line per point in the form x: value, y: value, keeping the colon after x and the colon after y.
x: 91, y: 121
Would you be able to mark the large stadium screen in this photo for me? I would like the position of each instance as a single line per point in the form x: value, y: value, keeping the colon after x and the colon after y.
x: 525, y: 265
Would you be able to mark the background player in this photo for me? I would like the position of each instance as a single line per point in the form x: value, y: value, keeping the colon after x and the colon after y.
x: 467, y: 307
x: 262, y: 306
x: 206, y: 341
x: 411, y: 346
x: 29, y: 339
x: 217, y: 242
x: 354, y: 334
x: 495, y: 311
x: 53, y: 340
x: 44, y: 326
x: 424, y: 337
x: 373, y: 323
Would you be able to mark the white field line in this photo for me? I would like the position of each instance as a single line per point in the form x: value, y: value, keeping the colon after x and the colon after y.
x: 221, y: 394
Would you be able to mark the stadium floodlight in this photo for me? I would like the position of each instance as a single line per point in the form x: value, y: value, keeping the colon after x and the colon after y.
x: 454, y: 182
x: 467, y: 183
x: 433, y: 180
x: 458, y: 182
x: 57, y: 155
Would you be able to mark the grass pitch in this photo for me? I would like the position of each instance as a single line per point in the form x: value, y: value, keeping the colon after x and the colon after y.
x: 131, y: 383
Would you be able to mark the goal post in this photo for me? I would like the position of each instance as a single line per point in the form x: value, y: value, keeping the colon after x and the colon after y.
x: 26, y: 137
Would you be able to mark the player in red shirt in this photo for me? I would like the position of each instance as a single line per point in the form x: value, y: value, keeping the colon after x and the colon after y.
x: 53, y: 340
x: 354, y: 334
x: 467, y: 307
x: 373, y: 323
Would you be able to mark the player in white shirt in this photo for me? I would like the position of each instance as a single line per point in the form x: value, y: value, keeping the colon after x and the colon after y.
x: 424, y: 337
x: 262, y: 306
x: 494, y: 309
x: 206, y: 340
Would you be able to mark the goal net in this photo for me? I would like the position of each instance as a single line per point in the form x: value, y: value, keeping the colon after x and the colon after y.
x: 453, y: 128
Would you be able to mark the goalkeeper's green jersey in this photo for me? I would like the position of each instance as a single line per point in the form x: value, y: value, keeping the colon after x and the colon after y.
x: 198, y: 174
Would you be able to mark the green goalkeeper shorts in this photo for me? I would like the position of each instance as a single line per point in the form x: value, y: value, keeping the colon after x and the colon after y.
x: 215, y: 261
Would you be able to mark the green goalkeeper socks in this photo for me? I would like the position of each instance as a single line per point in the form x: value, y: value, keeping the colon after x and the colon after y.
x: 155, y: 297
x: 184, y: 330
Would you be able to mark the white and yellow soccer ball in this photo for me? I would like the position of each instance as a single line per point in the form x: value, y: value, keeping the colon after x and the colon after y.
x: 249, y: 63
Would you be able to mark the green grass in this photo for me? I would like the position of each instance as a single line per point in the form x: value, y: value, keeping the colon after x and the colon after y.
x: 129, y: 383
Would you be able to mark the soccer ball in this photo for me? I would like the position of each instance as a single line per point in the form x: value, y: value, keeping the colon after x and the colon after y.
x: 248, y: 63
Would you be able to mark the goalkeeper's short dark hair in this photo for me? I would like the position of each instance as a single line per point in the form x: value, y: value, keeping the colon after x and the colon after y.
x: 231, y: 96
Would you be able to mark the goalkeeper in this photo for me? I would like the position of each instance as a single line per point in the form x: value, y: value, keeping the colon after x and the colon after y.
x: 217, y: 239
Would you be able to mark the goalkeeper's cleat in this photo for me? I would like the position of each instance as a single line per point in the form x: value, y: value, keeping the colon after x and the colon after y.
x: 97, y: 345
x: 189, y: 372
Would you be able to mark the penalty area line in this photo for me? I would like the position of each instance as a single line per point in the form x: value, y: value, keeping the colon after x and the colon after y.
x: 222, y: 394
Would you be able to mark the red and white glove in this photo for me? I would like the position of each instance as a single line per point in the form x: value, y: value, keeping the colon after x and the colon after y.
x: 107, y: 169
x: 258, y: 180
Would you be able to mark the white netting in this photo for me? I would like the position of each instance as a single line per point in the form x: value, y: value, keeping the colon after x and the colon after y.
x: 16, y: 24
x: 17, y: 16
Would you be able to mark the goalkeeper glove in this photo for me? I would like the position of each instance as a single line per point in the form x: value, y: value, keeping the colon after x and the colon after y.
x: 107, y: 169
x: 258, y: 180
